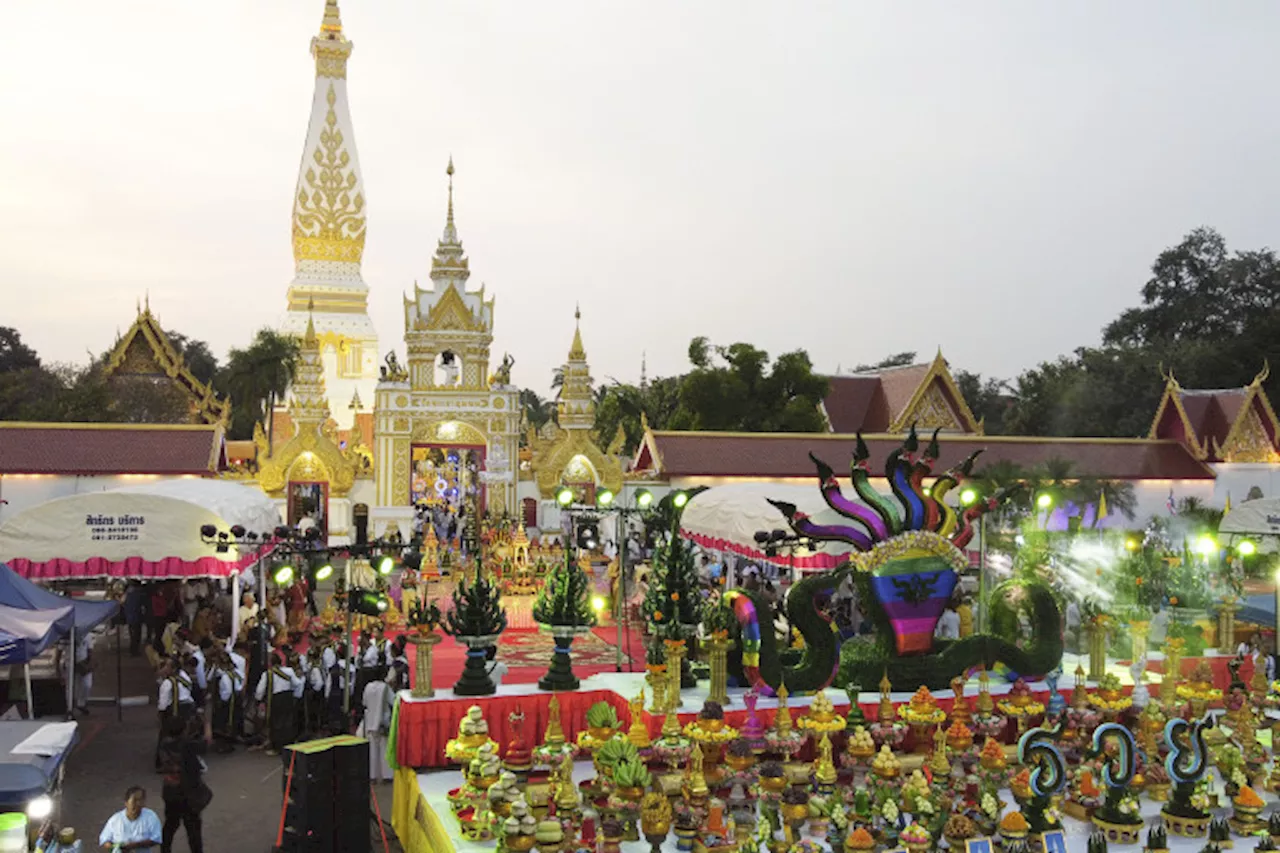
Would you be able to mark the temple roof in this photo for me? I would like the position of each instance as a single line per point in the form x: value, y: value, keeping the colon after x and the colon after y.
x: 106, y: 449
x: 777, y: 455
x: 145, y: 351
x: 1222, y: 424
x: 891, y: 399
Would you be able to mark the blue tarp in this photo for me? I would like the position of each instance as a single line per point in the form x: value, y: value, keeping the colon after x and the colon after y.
x: 24, y: 634
x: 1258, y: 609
x: 16, y: 591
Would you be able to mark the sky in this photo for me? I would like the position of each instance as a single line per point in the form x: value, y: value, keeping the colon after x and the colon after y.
x: 851, y: 178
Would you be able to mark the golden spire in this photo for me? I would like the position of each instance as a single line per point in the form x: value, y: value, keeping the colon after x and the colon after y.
x: 449, y: 171
x: 782, y: 719
x: 577, y: 352
x: 449, y: 262
x: 309, y: 338
x: 331, y: 25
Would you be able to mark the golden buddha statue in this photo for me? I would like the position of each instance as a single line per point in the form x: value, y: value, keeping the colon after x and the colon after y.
x: 886, y: 712
x: 960, y: 710
x: 554, y: 735
x: 985, y: 705
x: 567, y: 795
x: 824, y: 769
x: 638, y: 734
x: 938, y: 761
x: 696, y: 783
x: 782, y: 720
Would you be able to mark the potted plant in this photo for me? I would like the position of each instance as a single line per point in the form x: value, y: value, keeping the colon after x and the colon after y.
x: 564, y: 609
x: 424, y: 617
x: 476, y: 621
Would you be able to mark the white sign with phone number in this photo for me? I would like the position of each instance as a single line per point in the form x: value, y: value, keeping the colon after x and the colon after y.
x: 115, y: 528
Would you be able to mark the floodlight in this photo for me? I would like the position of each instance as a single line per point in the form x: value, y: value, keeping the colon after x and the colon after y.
x: 385, y: 565
x: 1131, y: 544
x: 564, y: 496
x: 644, y: 497
x: 598, y: 603
x: 968, y: 497
x: 283, y: 574
x: 1044, y: 500
x: 40, y: 808
x: 324, y: 572
x: 237, y: 530
x: 208, y: 531
x: 679, y: 499
x: 604, y: 497
x: 1246, y: 548
x: 1206, y: 546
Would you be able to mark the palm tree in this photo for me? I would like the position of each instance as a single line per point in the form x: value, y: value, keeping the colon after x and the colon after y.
x: 255, y: 377
x: 537, y: 411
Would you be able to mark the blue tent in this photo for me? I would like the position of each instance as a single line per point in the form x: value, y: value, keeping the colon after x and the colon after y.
x: 24, y: 634
x: 20, y: 593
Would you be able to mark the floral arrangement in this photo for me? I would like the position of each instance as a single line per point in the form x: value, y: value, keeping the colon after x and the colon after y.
x: 1019, y: 702
x: 860, y: 839
x: 1014, y: 823
x: 915, y: 834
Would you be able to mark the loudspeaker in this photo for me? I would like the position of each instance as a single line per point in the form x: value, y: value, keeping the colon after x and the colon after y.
x: 326, y: 808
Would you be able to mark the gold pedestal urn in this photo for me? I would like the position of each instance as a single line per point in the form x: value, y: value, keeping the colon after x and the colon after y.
x: 718, y: 646
x: 422, y: 688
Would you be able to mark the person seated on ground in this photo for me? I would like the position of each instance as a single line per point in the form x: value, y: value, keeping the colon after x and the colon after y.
x: 134, y: 827
x: 54, y: 840
x: 497, y: 669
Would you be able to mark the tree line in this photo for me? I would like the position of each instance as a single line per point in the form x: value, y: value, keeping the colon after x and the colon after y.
x: 33, y: 389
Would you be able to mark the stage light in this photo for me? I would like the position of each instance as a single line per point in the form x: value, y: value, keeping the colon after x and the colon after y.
x: 40, y: 808
x: 968, y: 497
x: 282, y: 532
x: 283, y: 574
x: 208, y: 531
x: 237, y: 530
x: 1246, y: 548
x: 926, y: 491
x: 598, y: 603
x: 1044, y: 500
x: 1206, y: 546
x: 1131, y: 544
x: 324, y: 572
x: 679, y: 499
x: 604, y: 497
x: 368, y: 602
x: 588, y: 535
x: 644, y: 497
x: 564, y: 496
x: 385, y: 565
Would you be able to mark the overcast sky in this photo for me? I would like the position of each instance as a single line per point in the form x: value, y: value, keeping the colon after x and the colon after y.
x: 852, y: 178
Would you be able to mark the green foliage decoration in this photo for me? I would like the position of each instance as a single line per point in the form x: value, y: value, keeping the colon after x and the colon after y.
x: 565, y: 598
x: 477, y: 610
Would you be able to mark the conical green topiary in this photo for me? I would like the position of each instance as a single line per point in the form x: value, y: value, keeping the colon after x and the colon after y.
x: 565, y: 599
x: 672, y: 603
x: 477, y: 612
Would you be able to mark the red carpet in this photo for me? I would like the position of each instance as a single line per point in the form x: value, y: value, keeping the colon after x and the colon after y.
x: 528, y: 654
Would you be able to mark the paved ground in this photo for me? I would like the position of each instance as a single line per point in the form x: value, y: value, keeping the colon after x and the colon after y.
x: 112, y: 755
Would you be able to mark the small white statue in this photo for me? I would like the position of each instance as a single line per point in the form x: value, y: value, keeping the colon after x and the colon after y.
x: 1141, y: 696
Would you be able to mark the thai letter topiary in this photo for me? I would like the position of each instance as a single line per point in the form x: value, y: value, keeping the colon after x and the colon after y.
x: 565, y: 599
x: 908, y: 556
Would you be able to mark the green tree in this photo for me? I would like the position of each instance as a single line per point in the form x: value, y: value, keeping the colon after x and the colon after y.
x: 989, y: 399
x: 673, y: 603
x: 735, y: 388
x: 256, y: 377
x: 901, y: 359
x: 623, y: 405
x: 537, y: 411
x: 199, y: 359
x: 14, y: 354
x: 565, y: 598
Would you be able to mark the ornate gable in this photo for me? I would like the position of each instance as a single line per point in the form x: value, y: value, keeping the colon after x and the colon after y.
x: 1225, y: 425
x: 937, y: 404
x: 145, y: 351
x: 1255, y: 434
x: 451, y: 314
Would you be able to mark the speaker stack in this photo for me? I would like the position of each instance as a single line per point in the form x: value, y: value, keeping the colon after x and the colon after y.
x: 326, y: 807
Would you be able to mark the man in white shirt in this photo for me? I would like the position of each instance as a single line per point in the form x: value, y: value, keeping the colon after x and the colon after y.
x: 281, y: 706
x: 378, y: 701
x: 948, y: 624
x: 134, y: 827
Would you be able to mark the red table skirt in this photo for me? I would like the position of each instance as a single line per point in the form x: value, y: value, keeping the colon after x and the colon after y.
x: 425, y: 727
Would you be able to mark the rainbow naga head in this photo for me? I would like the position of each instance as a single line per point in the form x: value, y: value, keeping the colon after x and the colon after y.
x: 910, y: 542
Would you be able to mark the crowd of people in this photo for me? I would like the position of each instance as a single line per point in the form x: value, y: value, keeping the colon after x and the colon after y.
x: 269, y: 683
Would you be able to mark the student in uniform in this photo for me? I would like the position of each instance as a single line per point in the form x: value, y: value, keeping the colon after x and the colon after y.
x: 228, y: 689
x: 175, y: 698
x: 314, y: 696
x: 334, y: 689
x: 275, y: 689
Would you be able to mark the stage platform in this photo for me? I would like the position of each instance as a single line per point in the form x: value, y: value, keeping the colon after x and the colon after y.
x: 427, y: 724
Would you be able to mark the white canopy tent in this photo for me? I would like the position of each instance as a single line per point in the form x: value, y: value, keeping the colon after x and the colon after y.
x: 147, y: 531
x: 727, y: 518
x: 1257, y: 518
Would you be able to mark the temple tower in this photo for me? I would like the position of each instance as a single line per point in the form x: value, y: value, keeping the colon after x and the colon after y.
x: 329, y: 227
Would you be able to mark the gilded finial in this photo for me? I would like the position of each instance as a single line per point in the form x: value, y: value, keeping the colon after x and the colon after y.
x: 310, y: 336
x: 577, y: 352
x: 331, y: 25
x: 554, y: 734
x: 782, y: 720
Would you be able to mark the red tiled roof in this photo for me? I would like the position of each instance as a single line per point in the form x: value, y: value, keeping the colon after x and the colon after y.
x: 104, y: 449
x: 856, y: 403
x: 767, y: 455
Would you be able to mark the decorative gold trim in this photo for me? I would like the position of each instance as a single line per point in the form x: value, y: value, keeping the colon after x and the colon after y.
x: 938, y: 372
x: 1173, y: 393
x: 328, y: 219
x: 451, y: 314
x: 551, y: 458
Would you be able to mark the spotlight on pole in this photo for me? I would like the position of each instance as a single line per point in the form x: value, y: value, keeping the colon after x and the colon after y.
x: 644, y: 497
x: 604, y: 497
x: 564, y: 496
x: 1044, y: 500
x: 679, y: 499
x: 385, y: 565
x: 1131, y: 544
x: 283, y: 574
x: 1246, y: 548
x: 324, y: 572
x: 1206, y: 546
x: 598, y: 603
x: 968, y: 497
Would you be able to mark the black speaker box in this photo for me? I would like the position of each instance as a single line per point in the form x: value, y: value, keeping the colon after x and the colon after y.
x: 327, y: 803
